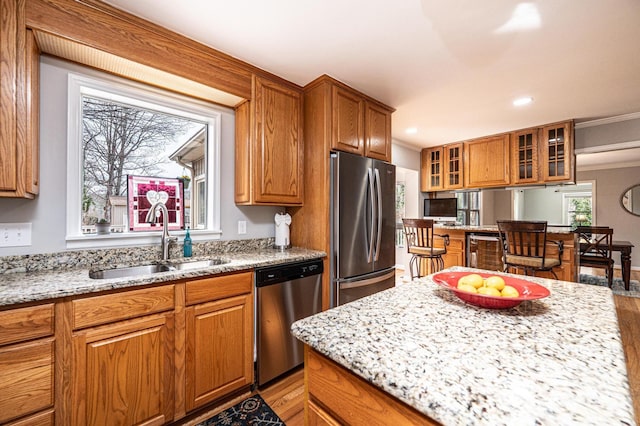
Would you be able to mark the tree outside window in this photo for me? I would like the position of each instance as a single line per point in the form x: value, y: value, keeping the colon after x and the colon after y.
x: 580, y: 211
x: 118, y: 140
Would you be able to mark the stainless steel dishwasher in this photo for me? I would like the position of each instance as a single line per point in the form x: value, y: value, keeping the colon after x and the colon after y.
x: 285, y: 294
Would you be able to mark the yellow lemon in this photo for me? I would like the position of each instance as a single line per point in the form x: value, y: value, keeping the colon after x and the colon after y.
x: 468, y: 288
x: 488, y: 291
x: 495, y: 282
x: 509, y: 291
x: 474, y: 280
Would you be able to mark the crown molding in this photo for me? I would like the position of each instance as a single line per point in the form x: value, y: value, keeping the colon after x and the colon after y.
x: 608, y: 120
x: 609, y: 166
x: 610, y: 147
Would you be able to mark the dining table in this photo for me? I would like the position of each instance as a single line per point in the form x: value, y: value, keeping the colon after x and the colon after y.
x: 624, y: 247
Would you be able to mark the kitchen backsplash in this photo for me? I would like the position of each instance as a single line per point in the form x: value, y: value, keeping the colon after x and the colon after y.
x: 127, y: 255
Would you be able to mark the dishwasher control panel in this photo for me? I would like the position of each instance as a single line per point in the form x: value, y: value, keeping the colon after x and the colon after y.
x: 281, y: 273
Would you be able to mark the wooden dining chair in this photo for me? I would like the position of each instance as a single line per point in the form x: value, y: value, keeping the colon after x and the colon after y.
x: 524, y: 246
x: 596, y: 248
x: 419, y: 235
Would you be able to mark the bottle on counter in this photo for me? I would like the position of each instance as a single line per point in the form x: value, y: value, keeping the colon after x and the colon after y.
x: 186, y: 247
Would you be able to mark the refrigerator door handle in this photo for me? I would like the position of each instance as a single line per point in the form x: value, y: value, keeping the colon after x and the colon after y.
x: 366, y: 282
x: 371, y: 215
x: 379, y: 202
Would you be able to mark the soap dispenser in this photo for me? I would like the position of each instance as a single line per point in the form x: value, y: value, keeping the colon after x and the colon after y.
x: 187, y: 244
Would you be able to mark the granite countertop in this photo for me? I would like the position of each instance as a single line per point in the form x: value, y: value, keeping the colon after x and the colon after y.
x: 557, y: 360
x: 21, y: 287
x: 494, y: 228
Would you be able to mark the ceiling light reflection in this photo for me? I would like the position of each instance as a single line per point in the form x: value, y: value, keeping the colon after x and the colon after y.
x: 524, y: 17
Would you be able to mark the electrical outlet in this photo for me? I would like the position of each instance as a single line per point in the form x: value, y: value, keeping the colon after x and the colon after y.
x: 15, y: 234
x: 242, y: 227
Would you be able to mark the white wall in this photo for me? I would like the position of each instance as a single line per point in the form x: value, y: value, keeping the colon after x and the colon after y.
x: 48, y: 210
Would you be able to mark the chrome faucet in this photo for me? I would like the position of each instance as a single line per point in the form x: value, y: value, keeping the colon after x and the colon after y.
x: 166, y: 239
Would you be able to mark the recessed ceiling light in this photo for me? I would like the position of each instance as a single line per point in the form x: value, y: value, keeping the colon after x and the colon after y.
x: 411, y: 130
x: 523, y: 101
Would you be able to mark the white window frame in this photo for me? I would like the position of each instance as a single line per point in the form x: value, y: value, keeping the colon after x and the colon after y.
x: 117, y: 89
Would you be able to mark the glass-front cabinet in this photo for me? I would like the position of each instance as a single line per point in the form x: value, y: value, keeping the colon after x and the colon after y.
x: 558, y: 156
x: 524, y: 156
x: 453, y: 166
x: 431, y: 178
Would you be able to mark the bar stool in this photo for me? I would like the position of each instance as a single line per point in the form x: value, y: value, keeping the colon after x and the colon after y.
x: 524, y: 245
x: 419, y: 236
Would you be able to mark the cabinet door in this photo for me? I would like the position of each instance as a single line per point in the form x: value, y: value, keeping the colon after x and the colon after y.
x: 18, y: 104
x: 558, y: 156
x: 377, y: 132
x: 486, y: 162
x: 316, y: 416
x: 453, y: 166
x: 123, y: 372
x: 26, y: 378
x: 243, y: 154
x: 277, y: 151
x: 431, y: 168
x: 347, y: 121
x: 219, y: 352
x: 524, y: 156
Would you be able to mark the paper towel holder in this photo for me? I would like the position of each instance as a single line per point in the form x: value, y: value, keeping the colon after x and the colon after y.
x: 282, y: 240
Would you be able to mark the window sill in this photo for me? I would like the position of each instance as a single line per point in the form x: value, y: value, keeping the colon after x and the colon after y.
x: 122, y: 239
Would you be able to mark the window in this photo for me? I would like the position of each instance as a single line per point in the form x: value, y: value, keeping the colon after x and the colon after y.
x: 468, y: 208
x: 578, y: 210
x: 119, y: 128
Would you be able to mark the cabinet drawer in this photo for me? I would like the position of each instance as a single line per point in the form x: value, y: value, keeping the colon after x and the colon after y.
x: 26, y: 379
x: 219, y: 287
x: 97, y: 310
x: 45, y: 418
x: 18, y: 325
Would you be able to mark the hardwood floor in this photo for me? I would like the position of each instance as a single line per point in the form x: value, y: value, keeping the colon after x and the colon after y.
x: 286, y: 398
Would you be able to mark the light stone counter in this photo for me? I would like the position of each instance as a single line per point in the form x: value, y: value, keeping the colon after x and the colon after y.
x: 43, y: 284
x: 555, y: 361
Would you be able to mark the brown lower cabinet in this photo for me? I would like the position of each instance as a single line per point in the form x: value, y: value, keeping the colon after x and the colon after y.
x: 219, y: 338
x: 27, y: 348
x: 336, y: 396
x: 123, y: 372
x: 145, y: 356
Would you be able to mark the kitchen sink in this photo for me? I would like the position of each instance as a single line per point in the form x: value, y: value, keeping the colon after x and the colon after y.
x: 153, y: 268
x: 128, y: 271
x: 196, y: 264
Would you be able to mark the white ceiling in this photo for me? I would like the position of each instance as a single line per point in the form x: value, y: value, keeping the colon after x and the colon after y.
x: 451, y: 68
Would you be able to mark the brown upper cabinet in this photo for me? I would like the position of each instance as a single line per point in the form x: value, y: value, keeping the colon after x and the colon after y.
x: 557, y: 152
x: 530, y: 156
x: 359, y: 125
x: 453, y: 169
x: 347, y: 125
x: 486, y: 162
x: 377, y: 132
x: 269, y: 151
x: 431, y: 160
x: 19, y: 95
x: 524, y: 157
x: 441, y: 168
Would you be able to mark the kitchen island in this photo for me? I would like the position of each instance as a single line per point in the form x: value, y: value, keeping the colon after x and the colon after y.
x: 558, y: 360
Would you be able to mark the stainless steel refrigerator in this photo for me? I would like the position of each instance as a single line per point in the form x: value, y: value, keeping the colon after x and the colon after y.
x: 362, y: 227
